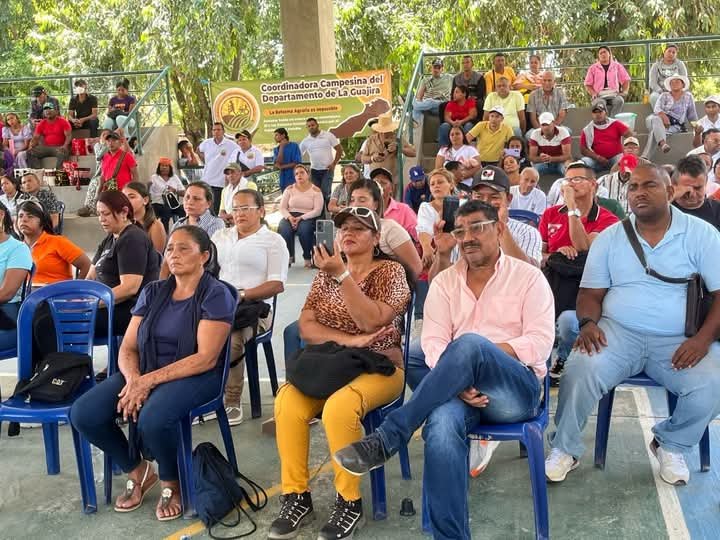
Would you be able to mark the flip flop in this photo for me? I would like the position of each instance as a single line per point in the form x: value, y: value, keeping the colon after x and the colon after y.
x: 165, y: 498
x: 130, y: 486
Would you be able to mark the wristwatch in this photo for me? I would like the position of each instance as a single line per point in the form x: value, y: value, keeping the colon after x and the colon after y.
x: 577, y: 213
x: 241, y: 295
x: 342, y: 276
x: 585, y: 320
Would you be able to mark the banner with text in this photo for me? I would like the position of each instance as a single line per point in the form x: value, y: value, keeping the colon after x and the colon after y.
x: 342, y: 103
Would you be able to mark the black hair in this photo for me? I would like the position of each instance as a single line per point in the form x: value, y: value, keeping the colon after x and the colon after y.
x: 499, y: 55
x: 142, y: 190
x: 7, y: 222
x: 536, y: 56
x: 472, y: 206
x: 523, y: 149
x: 205, y: 187
x: 123, y: 83
x: 283, y: 132
x: 467, y: 56
x: 202, y: 239
x: 601, y: 47
x: 662, y: 172
x: 81, y: 82
x: 709, y: 132
x: 463, y: 89
x: 35, y: 209
x: 182, y: 144
x: 452, y: 165
x: 311, y: 119
x: 691, y: 165
x: 464, y: 136
x: 157, y: 171
x: 715, y: 165
x: 12, y: 179
x: 374, y: 189
x: 116, y: 201
x: 219, y: 124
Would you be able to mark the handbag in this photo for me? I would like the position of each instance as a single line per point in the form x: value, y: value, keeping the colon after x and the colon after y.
x: 56, y: 378
x: 110, y: 184
x: 247, y: 315
x: 217, y: 493
x: 564, y: 276
x: 171, y: 200
x: 699, y: 300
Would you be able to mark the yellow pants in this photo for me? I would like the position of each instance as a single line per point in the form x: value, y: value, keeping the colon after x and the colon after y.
x: 342, y: 415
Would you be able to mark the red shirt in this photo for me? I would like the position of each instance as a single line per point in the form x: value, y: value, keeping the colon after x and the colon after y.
x: 552, y: 146
x: 606, y: 142
x: 54, y: 131
x: 555, y: 225
x: 458, y: 112
x: 109, y: 161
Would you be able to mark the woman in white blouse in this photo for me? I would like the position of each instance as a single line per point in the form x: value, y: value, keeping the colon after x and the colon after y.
x: 166, y: 181
x: 441, y: 186
x: 459, y: 151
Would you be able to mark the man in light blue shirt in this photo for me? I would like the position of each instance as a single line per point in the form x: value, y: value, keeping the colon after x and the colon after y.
x: 631, y: 321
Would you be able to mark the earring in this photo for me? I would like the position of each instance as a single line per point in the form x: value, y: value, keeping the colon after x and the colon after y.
x: 376, y: 251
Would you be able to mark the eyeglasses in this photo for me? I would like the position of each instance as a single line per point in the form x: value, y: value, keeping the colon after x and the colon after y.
x: 476, y: 229
x: 578, y: 179
x: 244, y: 209
x: 361, y: 212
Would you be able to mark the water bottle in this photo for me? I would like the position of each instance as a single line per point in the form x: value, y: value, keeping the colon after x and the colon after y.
x: 98, y: 461
x: 646, y: 97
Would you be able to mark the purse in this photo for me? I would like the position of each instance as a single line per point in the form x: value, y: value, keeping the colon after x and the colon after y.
x: 171, y: 200
x: 699, y: 300
x: 110, y: 184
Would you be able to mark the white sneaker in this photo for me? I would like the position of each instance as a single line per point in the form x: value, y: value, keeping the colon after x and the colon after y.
x: 205, y: 418
x: 235, y: 415
x: 673, y: 468
x: 558, y: 464
x: 480, y: 453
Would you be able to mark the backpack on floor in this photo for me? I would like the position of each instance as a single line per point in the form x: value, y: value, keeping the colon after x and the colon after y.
x: 56, y: 378
x: 217, y: 493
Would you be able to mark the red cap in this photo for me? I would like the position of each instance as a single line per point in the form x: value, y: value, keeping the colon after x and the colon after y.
x: 628, y: 162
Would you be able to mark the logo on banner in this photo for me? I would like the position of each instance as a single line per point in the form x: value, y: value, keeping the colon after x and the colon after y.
x: 237, y: 109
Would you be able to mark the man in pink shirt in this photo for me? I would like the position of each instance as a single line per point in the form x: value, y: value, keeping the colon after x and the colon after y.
x: 392, y: 209
x: 488, y: 331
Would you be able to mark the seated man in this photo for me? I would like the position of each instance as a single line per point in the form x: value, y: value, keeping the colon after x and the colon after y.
x: 550, y: 147
x: 83, y: 109
x: 433, y: 91
x: 689, y: 183
x: 616, y: 183
x: 460, y: 112
x: 234, y: 182
x: 631, y: 322
x: 548, y: 99
x: 526, y: 195
x: 601, y: 139
x: 37, y: 105
x: 710, y: 144
x: 51, y: 138
x: 417, y: 190
x: 491, y: 135
x: 473, y: 80
x: 486, y: 360
x: 500, y: 69
x: 710, y: 120
x: 512, y: 103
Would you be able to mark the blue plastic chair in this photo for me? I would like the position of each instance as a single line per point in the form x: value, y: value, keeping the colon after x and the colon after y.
x: 602, y: 430
x: 374, y: 418
x: 73, y: 306
x: 530, y: 434
x: 184, y: 455
x: 251, y: 363
x: 26, y: 289
x: 526, y: 216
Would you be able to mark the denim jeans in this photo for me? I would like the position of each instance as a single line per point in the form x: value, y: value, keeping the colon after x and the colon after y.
x: 549, y: 168
x: 421, y: 290
x: 587, y: 378
x: 94, y: 414
x: 427, y: 104
x: 8, y: 338
x: 291, y: 339
x: 444, y: 132
x: 597, y: 167
x: 568, y: 329
x: 470, y: 360
x: 323, y: 178
x: 305, y: 231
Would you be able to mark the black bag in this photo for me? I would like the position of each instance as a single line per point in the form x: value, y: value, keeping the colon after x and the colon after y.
x: 217, y: 493
x: 171, y: 200
x: 249, y: 312
x: 56, y: 378
x: 564, y: 276
x: 699, y: 300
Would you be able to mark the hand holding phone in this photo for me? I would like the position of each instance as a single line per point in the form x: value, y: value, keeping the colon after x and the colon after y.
x: 325, y: 235
x: 450, y: 208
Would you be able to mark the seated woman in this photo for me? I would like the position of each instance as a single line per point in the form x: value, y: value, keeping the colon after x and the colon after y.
x: 674, y: 108
x: 119, y: 107
x: 165, y: 181
x: 169, y: 364
x: 144, y: 215
x: 511, y: 166
x: 11, y: 195
x: 300, y: 206
x: 358, y: 304
x: 459, y: 150
x: 53, y: 254
x: 32, y: 188
x: 339, y: 197
x: 607, y: 79
x: 16, y: 138
x: 15, y: 263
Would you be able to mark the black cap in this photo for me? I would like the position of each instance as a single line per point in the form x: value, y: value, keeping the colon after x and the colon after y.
x: 113, y: 135
x: 493, y: 177
x: 381, y: 170
x: 38, y: 90
x: 598, y: 105
x: 245, y: 133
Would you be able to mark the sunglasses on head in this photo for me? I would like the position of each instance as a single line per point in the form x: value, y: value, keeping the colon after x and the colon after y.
x: 361, y: 212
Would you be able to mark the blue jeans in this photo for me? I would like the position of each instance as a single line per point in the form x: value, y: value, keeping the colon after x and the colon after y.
x: 470, y: 360
x: 444, y: 132
x: 568, y: 329
x: 549, y: 168
x: 291, y: 339
x: 427, y: 104
x: 94, y: 415
x: 8, y: 338
x: 421, y: 290
x: 323, y: 179
x: 597, y: 167
x: 305, y: 231
x: 587, y: 378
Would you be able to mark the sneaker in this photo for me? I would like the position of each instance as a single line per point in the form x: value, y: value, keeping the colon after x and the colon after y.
x: 558, y: 464
x: 235, y: 415
x: 296, y: 510
x: 556, y: 370
x: 480, y: 453
x: 346, y: 518
x: 205, y: 418
x: 673, y: 468
x: 363, y: 456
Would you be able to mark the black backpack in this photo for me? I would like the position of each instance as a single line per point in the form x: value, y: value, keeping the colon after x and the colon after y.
x: 56, y: 378
x: 217, y: 493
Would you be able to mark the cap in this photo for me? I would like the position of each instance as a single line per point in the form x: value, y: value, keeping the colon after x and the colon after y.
x: 598, y: 105
x: 628, y: 162
x: 38, y: 90
x: 113, y: 135
x: 245, y: 133
x: 437, y: 62
x: 383, y: 171
x: 366, y: 216
x: 417, y: 173
x: 546, y: 118
x: 232, y: 167
x: 493, y: 177
x: 715, y: 98
x: 631, y: 140
x: 164, y: 161
x: 49, y: 105
x: 498, y: 109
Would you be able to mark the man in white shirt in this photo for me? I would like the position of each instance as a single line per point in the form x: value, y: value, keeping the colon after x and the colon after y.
x: 235, y: 182
x: 255, y: 260
x: 710, y: 144
x: 216, y: 153
x: 526, y: 195
x: 325, y: 152
x: 249, y: 156
x: 710, y: 120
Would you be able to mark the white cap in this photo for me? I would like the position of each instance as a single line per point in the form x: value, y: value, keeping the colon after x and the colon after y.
x: 546, y: 118
x: 498, y: 109
x: 715, y: 98
x: 631, y: 140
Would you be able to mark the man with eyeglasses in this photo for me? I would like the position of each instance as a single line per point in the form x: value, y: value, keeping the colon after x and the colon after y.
x: 255, y: 260
x: 235, y: 182
x: 485, y: 341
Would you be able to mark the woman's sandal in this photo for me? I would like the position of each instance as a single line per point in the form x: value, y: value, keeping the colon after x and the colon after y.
x: 165, y: 500
x: 132, y: 484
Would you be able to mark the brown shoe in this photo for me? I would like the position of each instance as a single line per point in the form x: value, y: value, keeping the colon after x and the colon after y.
x: 86, y: 211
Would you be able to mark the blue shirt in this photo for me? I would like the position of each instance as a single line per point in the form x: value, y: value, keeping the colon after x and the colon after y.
x: 414, y: 196
x: 640, y: 302
x: 14, y: 254
x: 291, y: 154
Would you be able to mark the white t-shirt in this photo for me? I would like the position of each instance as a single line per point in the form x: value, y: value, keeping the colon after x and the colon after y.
x: 427, y: 217
x: 366, y: 166
x: 466, y: 155
x: 706, y: 123
x: 555, y: 196
x: 251, y: 261
x: 321, y: 149
x: 229, y: 192
x: 535, y: 201
x: 701, y: 150
x: 158, y: 187
x: 217, y: 157
x: 251, y: 159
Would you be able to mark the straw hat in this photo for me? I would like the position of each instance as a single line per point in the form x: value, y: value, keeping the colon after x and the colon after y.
x: 682, y: 78
x: 385, y: 124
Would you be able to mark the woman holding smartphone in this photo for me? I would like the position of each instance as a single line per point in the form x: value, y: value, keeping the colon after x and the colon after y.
x: 441, y: 186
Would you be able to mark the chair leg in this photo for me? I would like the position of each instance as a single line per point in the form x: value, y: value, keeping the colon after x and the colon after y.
x: 705, y: 451
x: 377, y: 477
x: 523, y: 449
x: 226, y: 433
x: 85, y: 472
x: 602, y: 431
x: 536, y: 461
x: 107, y: 477
x: 52, y: 447
x: 404, y: 462
x: 272, y: 372
x: 251, y: 364
x: 185, y: 468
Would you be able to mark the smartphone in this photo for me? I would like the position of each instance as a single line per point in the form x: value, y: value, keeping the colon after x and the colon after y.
x: 450, y: 207
x: 325, y: 234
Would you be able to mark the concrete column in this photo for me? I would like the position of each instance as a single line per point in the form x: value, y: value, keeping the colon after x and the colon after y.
x: 308, y: 34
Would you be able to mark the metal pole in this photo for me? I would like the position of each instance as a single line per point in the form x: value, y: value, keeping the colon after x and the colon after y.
x: 647, y: 66
x: 167, y: 95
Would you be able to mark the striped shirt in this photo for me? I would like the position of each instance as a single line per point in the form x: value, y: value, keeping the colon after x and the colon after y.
x: 207, y: 222
x: 616, y: 189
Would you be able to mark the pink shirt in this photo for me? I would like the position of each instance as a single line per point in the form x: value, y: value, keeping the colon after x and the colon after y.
x: 515, y: 307
x: 310, y: 202
x: 617, y: 75
x: 404, y: 215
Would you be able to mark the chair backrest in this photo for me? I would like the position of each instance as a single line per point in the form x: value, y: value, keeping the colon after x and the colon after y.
x: 27, y: 283
x: 73, y: 306
x: 531, y: 218
x: 225, y: 355
x: 406, y: 352
x: 61, y: 218
x: 272, y: 320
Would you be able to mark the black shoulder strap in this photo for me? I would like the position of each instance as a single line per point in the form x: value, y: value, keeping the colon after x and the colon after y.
x: 637, y: 248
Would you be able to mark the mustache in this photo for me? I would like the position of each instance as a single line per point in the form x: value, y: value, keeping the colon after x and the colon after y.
x: 466, y: 245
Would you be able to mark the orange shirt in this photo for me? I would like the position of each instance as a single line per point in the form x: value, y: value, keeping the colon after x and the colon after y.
x: 53, y: 256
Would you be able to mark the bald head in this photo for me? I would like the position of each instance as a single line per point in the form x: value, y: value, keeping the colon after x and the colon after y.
x: 548, y: 80
x: 658, y: 171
